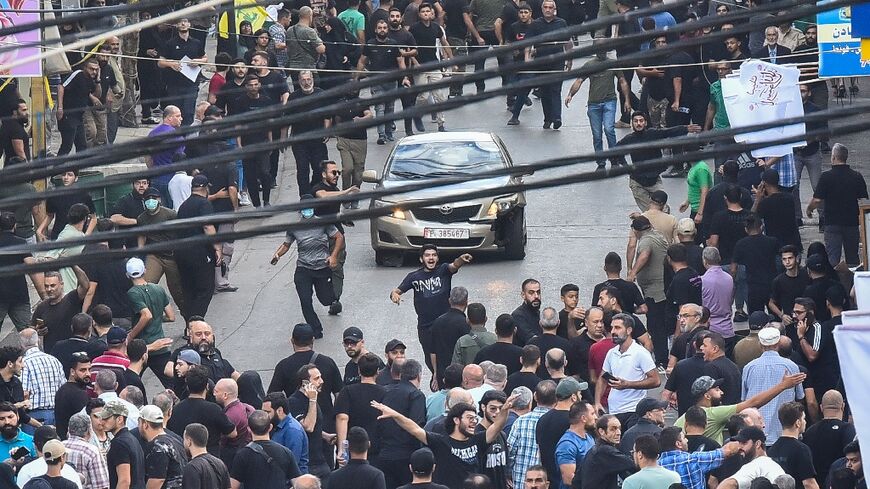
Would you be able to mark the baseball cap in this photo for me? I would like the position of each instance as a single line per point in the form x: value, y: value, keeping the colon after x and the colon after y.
x: 704, y: 383
x: 758, y: 320
x: 135, y: 267
x: 686, y: 227
x: 116, y: 335
x: 816, y: 263
x: 113, y: 408
x: 53, y: 450
x: 768, y: 336
x: 649, y: 404
x: 303, y: 332
x: 659, y: 197
x: 213, y: 110
x: 753, y: 433
x: 353, y: 333
x: 199, y: 181
x: 393, y: 344
x: 422, y: 461
x: 152, y: 192
x: 568, y: 387
x: 640, y: 223
x: 152, y: 414
x: 190, y: 357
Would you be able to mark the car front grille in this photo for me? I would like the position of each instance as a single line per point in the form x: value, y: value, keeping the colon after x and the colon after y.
x: 446, y: 243
x: 456, y: 214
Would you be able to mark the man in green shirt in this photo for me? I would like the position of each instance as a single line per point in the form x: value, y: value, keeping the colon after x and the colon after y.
x: 708, y: 397
x: 717, y: 116
x: 699, y: 181
x: 354, y: 20
x: 151, y: 304
x: 468, y: 345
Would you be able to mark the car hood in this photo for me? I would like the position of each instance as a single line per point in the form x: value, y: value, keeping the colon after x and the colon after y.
x: 440, y: 191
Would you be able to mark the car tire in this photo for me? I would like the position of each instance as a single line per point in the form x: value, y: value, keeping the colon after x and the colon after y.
x: 515, y: 246
x: 389, y: 258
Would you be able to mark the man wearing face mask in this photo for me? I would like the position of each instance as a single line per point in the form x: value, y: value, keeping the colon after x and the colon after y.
x: 308, y: 154
x: 161, y: 262
x: 314, y: 265
x: 601, y: 107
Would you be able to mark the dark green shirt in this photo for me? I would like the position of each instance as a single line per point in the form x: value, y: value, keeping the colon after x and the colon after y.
x: 601, y: 88
x: 155, y: 299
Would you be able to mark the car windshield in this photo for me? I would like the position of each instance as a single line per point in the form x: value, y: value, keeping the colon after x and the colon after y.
x: 444, y: 159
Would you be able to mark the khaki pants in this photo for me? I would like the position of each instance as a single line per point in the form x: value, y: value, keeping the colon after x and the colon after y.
x: 353, y: 160
x: 642, y: 195
x: 438, y: 95
x: 155, y: 267
x: 221, y: 280
x: 95, y: 126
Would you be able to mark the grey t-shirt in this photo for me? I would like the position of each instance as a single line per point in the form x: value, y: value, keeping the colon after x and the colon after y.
x: 302, y: 42
x: 313, y: 244
x: 651, y: 278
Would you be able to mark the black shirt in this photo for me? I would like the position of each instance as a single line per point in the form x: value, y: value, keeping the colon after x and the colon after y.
x: 423, y: 485
x: 351, y: 371
x: 681, y: 66
x: 564, y: 323
x: 357, y: 474
x: 298, y: 407
x: 700, y: 443
x: 648, y: 177
x: 446, y: 330
x: 222, y: 176
x: 57, y: 318
x: 454, y: 17
x: 715, y: 202
x: 396, y: 443
x: 518, y: 32
x: 273, y: 85
x: 13, y: 289
x: 454, y: 459
x: 778, y: 213
x: 685, y: 288
x: 9, y: 130
x: 723, y: 368
x: 77, y: 88
x: 59, y: 206
x: 175, y: 49
x: 528, y: 321
x: 517, y: 379
x: 347, y: 116
x: 431, y: 289
x: 382, y: 55
x: 272, y: 471
x: 218, y: 367
x: 425, y: 37
x: 245, y: 103
x: 165, y: 459
x: 730, y: 227
x: 630, y: 297
x: 130, y: 206
x: 786, y: 289
x: 125, y: 449
x: 195, y: 206
x: 206, y: 472
x: 58, y: 482
x: 684, y: 345
x: 758, y: 253
x: 841, y: 187
x: 64, y: 349
x: 680, y: 381
x: 794, y: 457
x: 356, y: 402
x: 69, y: 399
x: 541, y: 26
x: 546, y: 342
x: 304, y: 125
x: 826, y: 440
x: 284, y: 380
x: 327, y: 210
x: 112, y: 282
x: 506, y: 354
x: 817, y: 290
x: 548, y: 431
x: 578, y: 354
x: 209, y: 414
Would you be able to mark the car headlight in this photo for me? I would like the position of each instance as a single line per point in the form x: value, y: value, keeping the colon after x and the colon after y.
x: 501, y: 205
x: 395, y: 214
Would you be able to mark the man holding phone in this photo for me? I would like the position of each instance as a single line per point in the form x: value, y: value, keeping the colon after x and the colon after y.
x: 629, y: 371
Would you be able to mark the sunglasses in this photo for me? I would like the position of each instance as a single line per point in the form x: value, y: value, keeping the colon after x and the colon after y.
x: 335, y: 172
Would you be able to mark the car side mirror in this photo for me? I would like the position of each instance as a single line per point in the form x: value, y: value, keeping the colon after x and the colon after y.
x: 370, y: 176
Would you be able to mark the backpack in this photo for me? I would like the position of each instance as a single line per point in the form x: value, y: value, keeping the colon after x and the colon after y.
x: 37, y: 483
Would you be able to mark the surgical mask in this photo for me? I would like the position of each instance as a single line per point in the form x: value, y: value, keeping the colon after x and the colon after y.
x: 307, y: 213
x: 151, y: 204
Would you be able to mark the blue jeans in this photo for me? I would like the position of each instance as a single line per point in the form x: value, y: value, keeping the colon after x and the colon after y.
x: 741, y: 289
x: 385, y: 108
x: 46, y: 416
x: 602, y: 116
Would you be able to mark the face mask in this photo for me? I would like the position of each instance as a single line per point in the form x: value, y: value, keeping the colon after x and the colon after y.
x: 151, y: 204
x: 307, y: 213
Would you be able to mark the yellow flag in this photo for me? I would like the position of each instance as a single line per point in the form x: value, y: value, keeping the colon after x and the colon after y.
x: 865, y: 49
x: 245, y: 10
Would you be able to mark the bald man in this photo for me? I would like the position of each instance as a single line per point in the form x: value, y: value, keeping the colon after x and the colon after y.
x: 753, y: 417
x: 829, y: 437
x: 472, y: 376
x: 226, y: 394
x: 454, y: 396
x: 306, y: 481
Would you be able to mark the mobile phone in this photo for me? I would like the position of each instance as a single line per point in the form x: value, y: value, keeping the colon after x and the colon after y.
x: 20, y: 453
x: 274, y: 260
x: 608, y: 376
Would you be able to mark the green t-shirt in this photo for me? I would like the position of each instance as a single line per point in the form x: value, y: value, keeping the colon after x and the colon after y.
x: 720, y: 120
x: 601, y: 86
x: 699, y: 177
x: 486, y: 13
x: 155, y: 299
x: 651, y: 478
x: 717, y: 418
x: 353, y: 19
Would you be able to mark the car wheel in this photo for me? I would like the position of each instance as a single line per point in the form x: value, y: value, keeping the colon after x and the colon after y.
x: 389, y: 258
x: 515, y: 247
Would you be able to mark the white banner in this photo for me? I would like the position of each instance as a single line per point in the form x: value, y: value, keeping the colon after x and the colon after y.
x: 853, y: 348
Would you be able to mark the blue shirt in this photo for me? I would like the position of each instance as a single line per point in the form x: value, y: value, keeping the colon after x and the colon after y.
x: 164, y: 157
x: 692, y: 467
x: 762, y: 374
x: 291, y: 434
x: 571, y: 449
x: 435, y: 405
x: 22, y: 440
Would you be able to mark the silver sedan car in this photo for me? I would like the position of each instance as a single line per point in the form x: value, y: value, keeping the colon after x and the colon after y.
x: 476, y: 223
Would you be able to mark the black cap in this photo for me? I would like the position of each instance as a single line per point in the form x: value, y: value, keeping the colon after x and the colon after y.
x: 816, y: 263
x: 640, y: 223
x: 199, y: 181
x: 659, y: 197
x: 422, y: 461
x: 393, y: 344
x: 353, y: 333
x: 648, y: 404
x: 213, y: 111
x: 152, y: 192
x: 303, y: 332
x: 759, y: 319
x: 751, y: 433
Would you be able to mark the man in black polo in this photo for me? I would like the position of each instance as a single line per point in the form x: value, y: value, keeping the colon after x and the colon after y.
x: 128, y: 208
x: 181, y: 53
x: 14, y: 140
x: 382, y: 54
x: 551, y: 93
x: 75, y: 94
x: 196, y: 262
x: 308, y: 154
x: 256, y: 165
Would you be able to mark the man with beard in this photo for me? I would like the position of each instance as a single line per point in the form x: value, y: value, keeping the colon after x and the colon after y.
x: 355, y: 347
x: 308, y: 154
x: 286, y: 431
x: 204, y: 470
x: 495, y: 461
x: 604, y: 465
x: 756, y: 463
x: 11, y: 388
x: 14, y: 140
x: 166, y: 457
x: 202, y: 341
x: 708, y: 395
x: 395, y: 352
x: 302, y: 405
x: 72, y: 396
x: 528, y: 314
x: 128, y: 208
x: 196, y: 409
x: 11, y: 436
x: 180, y: 90
x: 460, y: 452
x: 576, y: 442
x: 551, y: 93
x: 628, y: 370
x: 431, y: 284
x: 689, y: 322
x: 403, y: 38
x: 381, y: 54
x: 126, y: 459
x: 610, y: 301
x: 353, y: 404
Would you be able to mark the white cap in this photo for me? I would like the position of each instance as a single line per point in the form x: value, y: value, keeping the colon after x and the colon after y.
x: 135, y: 268
x: 768, y: 336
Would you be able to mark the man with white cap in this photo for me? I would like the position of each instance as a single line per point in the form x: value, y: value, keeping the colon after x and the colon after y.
x: 165, y: 458
x: 766, y: 371
x: 150, y: 305
x: 49, y: 464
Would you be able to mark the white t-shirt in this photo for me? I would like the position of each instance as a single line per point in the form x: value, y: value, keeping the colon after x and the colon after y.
x: 758, y: 467
x: 179, y: 189
x: 38, y: 467
x: 631, y: 365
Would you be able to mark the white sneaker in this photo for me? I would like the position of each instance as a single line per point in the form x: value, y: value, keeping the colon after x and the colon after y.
x: 244, y: 199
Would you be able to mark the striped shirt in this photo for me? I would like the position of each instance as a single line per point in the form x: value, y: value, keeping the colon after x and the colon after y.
x: 42, y: 376
x: 764, y: 373
x: 86, y: 459
x: 522, y: 444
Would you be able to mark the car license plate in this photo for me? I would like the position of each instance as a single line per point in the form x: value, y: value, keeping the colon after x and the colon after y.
x: 446, y: 233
